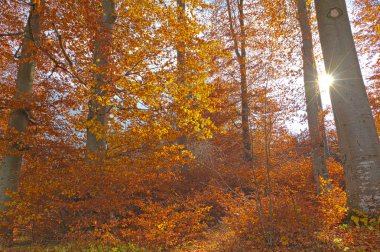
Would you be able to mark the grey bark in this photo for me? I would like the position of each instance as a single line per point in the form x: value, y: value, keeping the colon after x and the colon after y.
x: 358, y: 139
x: 11, y: 164
x: 313, y: 98
x: 103, y: 43
x: 241, y: 58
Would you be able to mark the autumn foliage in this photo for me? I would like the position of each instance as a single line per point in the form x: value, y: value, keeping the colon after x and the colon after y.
x: 147, y: 188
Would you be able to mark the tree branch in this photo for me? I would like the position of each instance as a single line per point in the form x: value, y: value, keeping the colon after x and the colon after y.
x: 11, y: 34
x: 233, y: 34
x: 61, y: 45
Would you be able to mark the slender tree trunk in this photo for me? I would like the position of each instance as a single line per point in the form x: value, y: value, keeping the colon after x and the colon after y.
x: 315, y: 117
x: 11, y: 164
x: 358, y: 139
x: 97, y: 115
x: 241, y: 57
x: 182, y: 140
x: 181, y: 45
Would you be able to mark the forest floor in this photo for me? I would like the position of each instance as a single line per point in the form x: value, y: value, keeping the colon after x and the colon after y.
x: 361, y: 239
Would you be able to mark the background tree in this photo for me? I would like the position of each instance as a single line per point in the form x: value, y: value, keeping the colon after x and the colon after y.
x: 314, y: 109
x: 239, y: 37
x: 98, y: 108
x: 20, y: 115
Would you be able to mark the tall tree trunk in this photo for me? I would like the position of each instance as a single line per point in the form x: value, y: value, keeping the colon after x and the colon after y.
x: 358, y: 139
x: 181, y: 45
x: 241, y: 57
x: 313, y: 98
x: 181, y: 7
x: 97, y: 115
x: 11, y: 164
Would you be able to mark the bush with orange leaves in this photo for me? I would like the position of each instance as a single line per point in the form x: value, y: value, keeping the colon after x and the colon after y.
x: 282, y: 214
x: 109, y: 203
x: 175, y: 225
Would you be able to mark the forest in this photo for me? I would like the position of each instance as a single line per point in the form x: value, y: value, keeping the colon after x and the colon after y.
x: 189, y: 125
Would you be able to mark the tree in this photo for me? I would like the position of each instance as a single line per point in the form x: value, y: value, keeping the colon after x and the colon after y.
x: 11, y: 164
x: 240, y: 52
x: 358, y: 139
x: 98, y: 107
x: 181, y: 10
x: 313, y: 98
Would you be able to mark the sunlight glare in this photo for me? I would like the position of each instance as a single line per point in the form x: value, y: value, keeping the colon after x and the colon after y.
x: 324, y: 81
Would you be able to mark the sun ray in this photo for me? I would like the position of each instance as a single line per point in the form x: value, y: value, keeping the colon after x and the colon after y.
x: 324, y: 81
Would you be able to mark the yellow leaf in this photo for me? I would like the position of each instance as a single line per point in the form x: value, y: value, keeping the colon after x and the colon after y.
x: 284, y: 241
x: 355, y: 219
x: 364, y: 221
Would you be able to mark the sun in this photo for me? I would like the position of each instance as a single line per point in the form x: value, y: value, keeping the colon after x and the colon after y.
x: 324, y: 81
